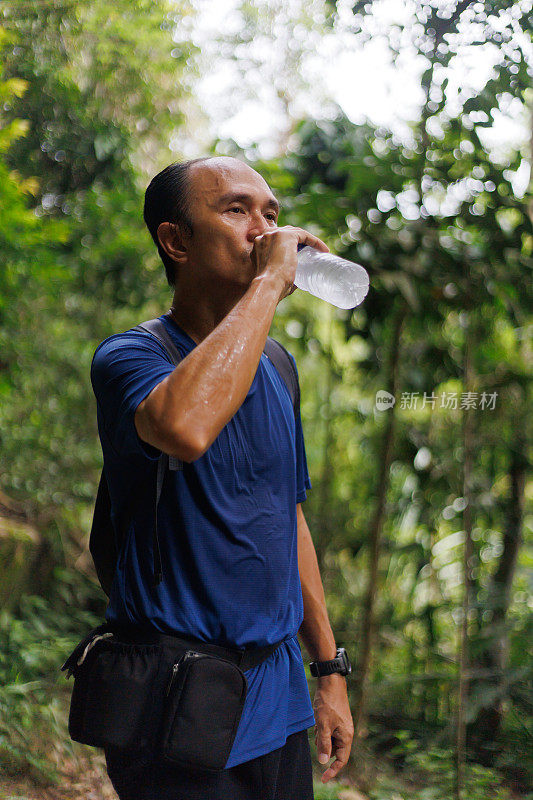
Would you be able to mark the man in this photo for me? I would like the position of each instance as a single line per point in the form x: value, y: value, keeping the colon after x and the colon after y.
x: 239, y: 564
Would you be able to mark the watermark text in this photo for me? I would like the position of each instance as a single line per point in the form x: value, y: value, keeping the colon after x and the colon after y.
x: 485, y: 401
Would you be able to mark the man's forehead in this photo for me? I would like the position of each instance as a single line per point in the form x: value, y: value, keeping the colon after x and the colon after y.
x: 216, y: 177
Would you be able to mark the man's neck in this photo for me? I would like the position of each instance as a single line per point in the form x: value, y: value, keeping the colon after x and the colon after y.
x: 199, y: 315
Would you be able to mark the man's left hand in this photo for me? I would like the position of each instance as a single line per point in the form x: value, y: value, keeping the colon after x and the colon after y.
x: 334, y: 725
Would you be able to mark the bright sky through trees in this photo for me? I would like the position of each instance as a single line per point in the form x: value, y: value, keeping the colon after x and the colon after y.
x: 335, y: 68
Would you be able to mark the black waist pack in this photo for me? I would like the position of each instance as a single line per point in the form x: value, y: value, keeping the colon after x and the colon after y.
x: 178, y: 698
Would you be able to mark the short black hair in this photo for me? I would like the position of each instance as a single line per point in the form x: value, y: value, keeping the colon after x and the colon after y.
x: 167, y: 200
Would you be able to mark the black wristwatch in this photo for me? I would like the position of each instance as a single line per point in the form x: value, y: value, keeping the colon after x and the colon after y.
x: 340, y: 664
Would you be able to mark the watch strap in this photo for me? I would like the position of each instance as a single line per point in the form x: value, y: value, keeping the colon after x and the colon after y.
x: 340, y: 664
x: 320, y: 668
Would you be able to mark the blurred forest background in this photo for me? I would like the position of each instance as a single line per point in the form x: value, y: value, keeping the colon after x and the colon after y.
x: 419, y: 511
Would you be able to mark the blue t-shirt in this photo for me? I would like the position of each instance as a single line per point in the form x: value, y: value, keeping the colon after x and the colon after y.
x: 226, y: 527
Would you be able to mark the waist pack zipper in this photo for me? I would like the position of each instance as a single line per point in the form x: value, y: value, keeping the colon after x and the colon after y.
x: 190, y: 654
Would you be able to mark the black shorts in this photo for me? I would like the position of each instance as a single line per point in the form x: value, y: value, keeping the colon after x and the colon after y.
x: 283, y: 774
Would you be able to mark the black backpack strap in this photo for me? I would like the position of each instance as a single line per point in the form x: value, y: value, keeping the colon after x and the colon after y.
x: 103, y: 544
x: 157, y: 329
x: 285, y: 366
x: 162, y: 465
x: 104, y: 541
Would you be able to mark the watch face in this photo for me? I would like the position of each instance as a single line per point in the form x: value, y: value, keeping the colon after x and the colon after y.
x: 345, y: 661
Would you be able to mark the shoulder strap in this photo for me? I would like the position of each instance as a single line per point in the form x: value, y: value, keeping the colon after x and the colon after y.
x: 285, y: 366
x: 104, y: 539
x: 156, y: 328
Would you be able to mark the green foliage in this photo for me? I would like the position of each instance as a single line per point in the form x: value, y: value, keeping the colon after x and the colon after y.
x: 91, y: 110
x: 74, y: 241
x: 436, y: 221
x: 426, y: 775
x: 432, y: 777
x: 33, y: 645
x: 326, y: 791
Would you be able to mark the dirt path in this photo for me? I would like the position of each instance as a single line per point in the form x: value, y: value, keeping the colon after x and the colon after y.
x: 82, y: 781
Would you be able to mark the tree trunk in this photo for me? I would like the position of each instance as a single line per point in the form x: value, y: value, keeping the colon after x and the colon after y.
x: 486, y: 727
x: 376, y: 527
x: 21, y: 544
x: 322, y: 540
x: 468, y: 450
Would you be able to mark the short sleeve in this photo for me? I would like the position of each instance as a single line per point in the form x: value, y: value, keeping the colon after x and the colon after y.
x: 125, y: 369
x: 303, y: 481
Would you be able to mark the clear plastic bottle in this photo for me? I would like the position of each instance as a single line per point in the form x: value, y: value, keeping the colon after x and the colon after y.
x: 336, y: 280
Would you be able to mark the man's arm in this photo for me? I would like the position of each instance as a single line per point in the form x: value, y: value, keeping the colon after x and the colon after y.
x: 334, y: 726
x: 185, y: 412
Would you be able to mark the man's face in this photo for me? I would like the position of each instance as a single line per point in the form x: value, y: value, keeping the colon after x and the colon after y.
x: 230, y: 205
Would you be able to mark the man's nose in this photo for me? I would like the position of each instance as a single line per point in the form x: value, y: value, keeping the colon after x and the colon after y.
x: 258, y: 225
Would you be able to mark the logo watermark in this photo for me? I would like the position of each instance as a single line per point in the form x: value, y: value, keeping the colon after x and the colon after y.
x: 485, y: 401
x: 384, y: 400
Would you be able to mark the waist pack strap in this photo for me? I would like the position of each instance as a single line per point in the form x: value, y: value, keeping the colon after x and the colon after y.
x: 244, y: 659
x: 82, y: 648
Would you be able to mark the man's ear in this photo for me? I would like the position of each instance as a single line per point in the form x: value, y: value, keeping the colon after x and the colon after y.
x: 172, y: 241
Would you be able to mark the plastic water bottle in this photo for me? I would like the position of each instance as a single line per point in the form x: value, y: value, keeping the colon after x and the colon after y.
x: 336, y: 280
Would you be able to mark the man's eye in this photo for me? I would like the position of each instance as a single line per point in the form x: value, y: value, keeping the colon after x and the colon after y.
x: 237, y: 209
x: 271, y: 217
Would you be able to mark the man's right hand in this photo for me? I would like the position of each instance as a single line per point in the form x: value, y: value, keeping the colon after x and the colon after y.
x: 275, y: 252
